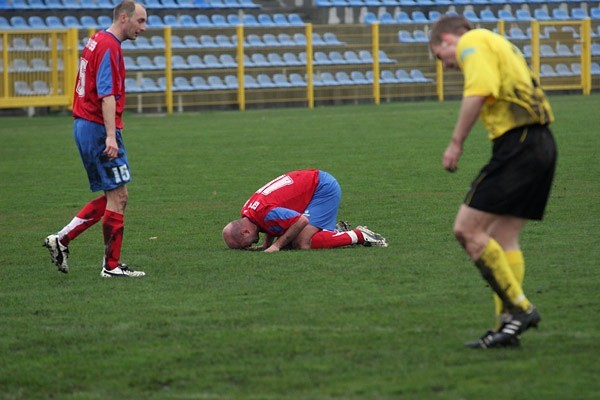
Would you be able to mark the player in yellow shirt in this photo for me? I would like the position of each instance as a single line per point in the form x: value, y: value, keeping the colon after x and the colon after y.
x: 514, y: 185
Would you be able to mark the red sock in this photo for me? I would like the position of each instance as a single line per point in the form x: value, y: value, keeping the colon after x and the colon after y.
x: 330, y: 239
x: 88, y: 216
x: 112, y: 228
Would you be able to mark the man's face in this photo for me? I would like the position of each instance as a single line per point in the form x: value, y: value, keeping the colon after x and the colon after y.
x: 446, y: 53
x: 137, y: 23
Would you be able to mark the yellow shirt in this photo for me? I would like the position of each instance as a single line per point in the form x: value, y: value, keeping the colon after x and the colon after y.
x: 495, y: 68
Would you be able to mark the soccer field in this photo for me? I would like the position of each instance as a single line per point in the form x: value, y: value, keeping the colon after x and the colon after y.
x: 353, y: 323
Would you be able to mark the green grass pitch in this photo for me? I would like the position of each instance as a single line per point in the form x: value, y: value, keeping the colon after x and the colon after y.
x: 354, y: 323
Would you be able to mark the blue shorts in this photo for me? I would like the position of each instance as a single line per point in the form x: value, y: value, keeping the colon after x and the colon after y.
x: 103, y: 173
x: 322, y: 209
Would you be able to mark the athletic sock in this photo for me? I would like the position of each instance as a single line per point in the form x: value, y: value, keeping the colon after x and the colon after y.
x: 91, y: 213
x: 516, y: 261
x: 112, y: 228
x: 495, y: 269
x: 331, y: 239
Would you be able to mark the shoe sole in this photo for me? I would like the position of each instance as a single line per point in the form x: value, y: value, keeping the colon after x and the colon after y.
x: 61, y: 268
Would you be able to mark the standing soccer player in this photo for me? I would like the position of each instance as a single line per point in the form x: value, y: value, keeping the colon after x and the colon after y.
x: 98, y: 106
x: 515, y: 184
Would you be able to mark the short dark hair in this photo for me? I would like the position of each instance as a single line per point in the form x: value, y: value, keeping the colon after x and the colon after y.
x: 455, y: 24
x: 126, y: 6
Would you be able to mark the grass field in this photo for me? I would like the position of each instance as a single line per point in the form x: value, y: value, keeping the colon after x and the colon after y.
x: 352, y: 323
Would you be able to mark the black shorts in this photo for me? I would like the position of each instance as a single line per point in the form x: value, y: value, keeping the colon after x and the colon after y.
x: 517, y: 179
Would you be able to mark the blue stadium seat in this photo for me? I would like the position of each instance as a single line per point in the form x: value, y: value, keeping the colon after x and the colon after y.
x: 40, y: 88
x: 547, y: 51
x: 156, y: 42
x: 70, y: 21
x: 219, y: 21
x: 270, y: 40
x: 578, y: 13
x: 296, y: 80
x: 87, y: 21
x: 199, y: 83
x: 560, y: 15
x: 131, y: 86
x: 331, y: 39
x: 227, y: 61
x: 419, y: 17
x: 343, y: 78
x: 280, y: 20
x: 281, y: 81
x: 471, y: 16
x: 53, y: 22
x: 295, y: 20
x: 264, y: 81
x: 285, y: 40
x: 104, y: 21
x: 250, y: 82
x: 259, y: 60
x: 403, y: 18
x: 178, y: 62
x: 317, y: 40
x: 386, y: 18
x: 71, y: 4
x: 516, y: 33
x: 595, y: 13
x: 275, y: 60
x: 418, y: 76
x: 212, y: 61
x: 187, y: 21
x: 195, y: 62
x: 337, y: 58
x: 366, y: 57
x: 182, y: 84
x: 207, y: 41
x: 231, y: 82
x: 358, y: 78
x: 387, y: 77
x: 300, y: 39
x: 576, y: 68
x: 265, y: 20
x: 405, y: 36
x: 403, y: 77
x: 546, y: 71
x: 370, y: 18
x: 145, y: 63
x: 223, y: 41
x: 351, y: 57
x: 54, y: 4
x: 233, y: 20
x: 523, y: 15
x: 255, y: 41
x: 249, y: 20
x: 321, y: 58
x: 291, y: 59
x: 36, y: 22
x: 595, y: 68
x: 177, y: 43
x: 487, y: 16
x: 563, y: 70
x: 203, y: 21
x: 506, y: 15
x: 328, y: 79
x: 191, y: 42
x: 541, y: 14
x: 562, y: 50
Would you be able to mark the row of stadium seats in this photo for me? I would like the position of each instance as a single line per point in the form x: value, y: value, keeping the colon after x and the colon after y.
x: 280, y: 80
x: 561, y: 50
x: 540, y: 14
x: 563, y: 70
x: 212, y: 61
x: 154, y: 21
x: 110, y: 4
x: 430, y: 3
x: 226, y: 42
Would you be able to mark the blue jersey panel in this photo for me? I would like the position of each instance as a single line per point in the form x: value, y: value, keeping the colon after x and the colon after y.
x: 279, y: 216
x: 103, y: 173
x: 104, y: 79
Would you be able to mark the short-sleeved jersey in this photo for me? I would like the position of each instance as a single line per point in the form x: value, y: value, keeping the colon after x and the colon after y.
x: 101, y: 73
x: 493, y: 67
x: 278, y: 204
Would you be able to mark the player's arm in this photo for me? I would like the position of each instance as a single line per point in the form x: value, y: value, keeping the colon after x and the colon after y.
x: 469, y: 112
x: 289, y: 235
x: 109, y: 110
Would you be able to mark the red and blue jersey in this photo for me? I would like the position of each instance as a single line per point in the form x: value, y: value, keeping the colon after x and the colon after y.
x: 101, y: 73
x: 278, y: 204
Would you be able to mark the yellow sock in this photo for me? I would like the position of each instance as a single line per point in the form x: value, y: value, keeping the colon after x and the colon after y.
x: 517, y: 265
x: 496, y: 270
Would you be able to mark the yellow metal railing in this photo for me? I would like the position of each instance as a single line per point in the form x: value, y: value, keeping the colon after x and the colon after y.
x: 38, y: 68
